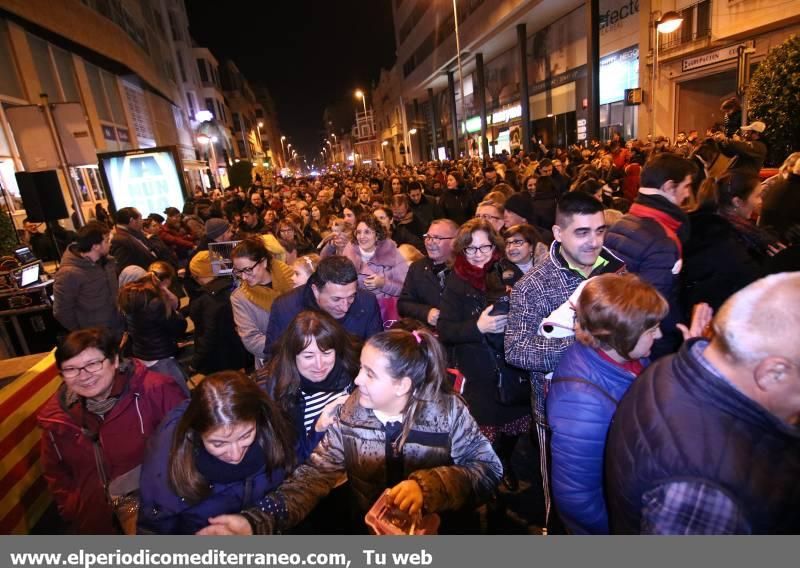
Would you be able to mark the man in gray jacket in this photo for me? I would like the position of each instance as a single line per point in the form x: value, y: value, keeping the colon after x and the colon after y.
x: 85, y: 286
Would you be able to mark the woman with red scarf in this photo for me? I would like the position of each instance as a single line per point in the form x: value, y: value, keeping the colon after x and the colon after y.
x: 473, y: 337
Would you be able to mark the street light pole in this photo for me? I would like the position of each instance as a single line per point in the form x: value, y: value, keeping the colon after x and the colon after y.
x: 668, y: 23
x: 461, y: 80
x: 410, y: 144
x: 283, y: 151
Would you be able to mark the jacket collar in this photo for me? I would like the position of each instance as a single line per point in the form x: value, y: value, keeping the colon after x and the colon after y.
x: 614, y: 265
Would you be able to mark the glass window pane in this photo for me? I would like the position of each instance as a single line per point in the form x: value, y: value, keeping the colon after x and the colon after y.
x: 112, y: 92
x: 44, y: 68
x: 9, y: 79
x: 66, y: 72
x: 93, y: 73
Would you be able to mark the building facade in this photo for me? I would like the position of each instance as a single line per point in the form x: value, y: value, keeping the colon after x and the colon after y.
x: 504, y: 43
x: 697, y: 64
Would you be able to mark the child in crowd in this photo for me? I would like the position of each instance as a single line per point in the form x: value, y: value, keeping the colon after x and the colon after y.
x: 401, y: 429
x: 303, y: 268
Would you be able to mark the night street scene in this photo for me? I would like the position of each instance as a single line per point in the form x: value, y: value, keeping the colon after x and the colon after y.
x: 399, y: 267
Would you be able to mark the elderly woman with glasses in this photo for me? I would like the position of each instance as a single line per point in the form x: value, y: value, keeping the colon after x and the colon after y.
x: 95, y: 429
x: 473, y: 317
x: 262, y: 279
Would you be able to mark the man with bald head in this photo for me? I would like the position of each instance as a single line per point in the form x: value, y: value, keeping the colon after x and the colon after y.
x: 707, y: 441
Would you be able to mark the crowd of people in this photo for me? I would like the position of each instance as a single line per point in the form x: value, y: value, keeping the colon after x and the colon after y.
x: 631, y: 307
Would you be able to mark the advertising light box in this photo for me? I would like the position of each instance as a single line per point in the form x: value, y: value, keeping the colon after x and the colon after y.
x: 149, y: 179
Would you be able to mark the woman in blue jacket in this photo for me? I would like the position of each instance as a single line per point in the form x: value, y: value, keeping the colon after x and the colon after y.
x: 618, y: 319
x: 218, y: 453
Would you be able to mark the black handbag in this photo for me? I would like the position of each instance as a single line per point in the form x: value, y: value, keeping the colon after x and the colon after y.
x: 513, y: 384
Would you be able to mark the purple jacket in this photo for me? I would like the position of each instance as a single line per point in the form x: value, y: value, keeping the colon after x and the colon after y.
x: 387, y: 262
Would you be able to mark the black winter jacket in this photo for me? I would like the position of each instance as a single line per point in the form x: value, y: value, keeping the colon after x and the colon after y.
x: 458, y: 205
x: 154, y: 334
x: 421, y: 291
x: 217, y: 346
x: 131, y: 249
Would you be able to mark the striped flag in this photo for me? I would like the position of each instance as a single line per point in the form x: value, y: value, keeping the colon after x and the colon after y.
x: 23, y: 492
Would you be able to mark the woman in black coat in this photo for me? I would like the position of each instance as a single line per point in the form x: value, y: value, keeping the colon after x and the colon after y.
x: 726, y: 250
x: 474, y: 338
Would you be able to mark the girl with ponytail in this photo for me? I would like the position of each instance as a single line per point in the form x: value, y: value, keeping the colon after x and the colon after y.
x: 403, y: 429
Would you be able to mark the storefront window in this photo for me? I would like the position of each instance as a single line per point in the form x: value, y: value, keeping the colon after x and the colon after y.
x: 44, y: 68
x: 66, y: 73
x: 8, y: 185
x: 9, y: 79
x: 94, y: 181
x: 81, y: 184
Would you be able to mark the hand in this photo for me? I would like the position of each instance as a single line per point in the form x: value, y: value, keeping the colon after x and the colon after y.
x: 433, y: 316
x: 225, y: 525
x: 374, y: 282
x: 325, y: 418
x: 491, y: 324
x: 701, y: 320
x: 407, y: 496
x: 775, y: 248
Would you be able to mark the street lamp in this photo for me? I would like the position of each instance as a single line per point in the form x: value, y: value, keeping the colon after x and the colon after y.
x: 209, y: 141
x: 283, y: 150
x: 360, y: 95
x: 410, y: 144
x: 668, y: 23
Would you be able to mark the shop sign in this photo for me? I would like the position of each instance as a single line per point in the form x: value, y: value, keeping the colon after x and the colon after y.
x: 722, y: 54
x: 633, y: 97
x: 581, y: 129
x: 507, y: 114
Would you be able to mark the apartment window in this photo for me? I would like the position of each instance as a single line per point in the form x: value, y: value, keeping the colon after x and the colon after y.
x: 201, y: 68
x: 114, y: 100
x: 210, y: 107
x: 236, y: 122
x: 173, y: 26
x: 190, y: 101
x: 66, y: 74
x: 696, y: 25
x: 181, y: 68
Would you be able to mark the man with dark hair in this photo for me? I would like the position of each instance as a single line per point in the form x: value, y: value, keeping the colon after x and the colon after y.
x: 424, y: 208
x: 129, y: 246
x: 747, y: 151
x: 560, y: 182
x: 85, y: 287
x: 252, y: 223
x: 577, y: 253
x: 650, y: 237
x: 332, y: 288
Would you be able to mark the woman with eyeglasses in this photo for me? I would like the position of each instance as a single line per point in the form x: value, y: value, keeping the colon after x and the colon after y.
x: 473, y: 317
x: 524, y: 246
x: 261, y: 280
x: 95, y: 429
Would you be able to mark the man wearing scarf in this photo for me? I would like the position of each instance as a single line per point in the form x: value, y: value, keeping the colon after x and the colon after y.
x: 650, y: 238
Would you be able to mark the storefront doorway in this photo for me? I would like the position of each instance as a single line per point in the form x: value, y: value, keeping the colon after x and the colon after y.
x: 699, y: 101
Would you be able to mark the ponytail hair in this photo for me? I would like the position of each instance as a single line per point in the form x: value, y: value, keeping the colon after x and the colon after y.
x: 718, y: 194
x: 419, y: 356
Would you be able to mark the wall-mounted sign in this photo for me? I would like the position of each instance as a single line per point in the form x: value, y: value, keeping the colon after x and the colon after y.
x: 581, y: 128
x: 722, y: 54
x: 633, y: 97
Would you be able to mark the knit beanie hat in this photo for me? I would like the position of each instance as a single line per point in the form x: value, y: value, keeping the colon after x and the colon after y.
x: 130, y: 274
x: 216, y: 227
x: 520, y: 204
x: 200, y: 267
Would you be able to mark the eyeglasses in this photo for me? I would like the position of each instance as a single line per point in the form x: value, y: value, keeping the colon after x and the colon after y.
x: 475, y: 250
x: 248, y: 270
x: 286, y: 230
x: 487, y: 217
x: 435, y: 238
x: 93, y: 367
x: 516, y: 243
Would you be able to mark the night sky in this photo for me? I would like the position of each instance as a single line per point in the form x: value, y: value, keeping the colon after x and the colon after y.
x: 308, y: 53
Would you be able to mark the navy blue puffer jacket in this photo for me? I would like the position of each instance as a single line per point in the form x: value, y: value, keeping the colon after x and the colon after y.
x: 580, y: 405
x: 162, y: 511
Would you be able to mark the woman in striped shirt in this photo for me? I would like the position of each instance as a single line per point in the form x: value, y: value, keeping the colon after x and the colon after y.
x: 313, y: 370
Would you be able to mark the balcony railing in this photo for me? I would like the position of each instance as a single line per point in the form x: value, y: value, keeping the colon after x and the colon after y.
x: 696, y: 25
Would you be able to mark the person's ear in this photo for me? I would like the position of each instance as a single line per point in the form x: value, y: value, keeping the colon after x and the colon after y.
x: 557, y: 233
x: 315, y: 291
x: 403, y: 387
x: 771, y: 373
x: 737, y: 202
x: 669, y: 187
